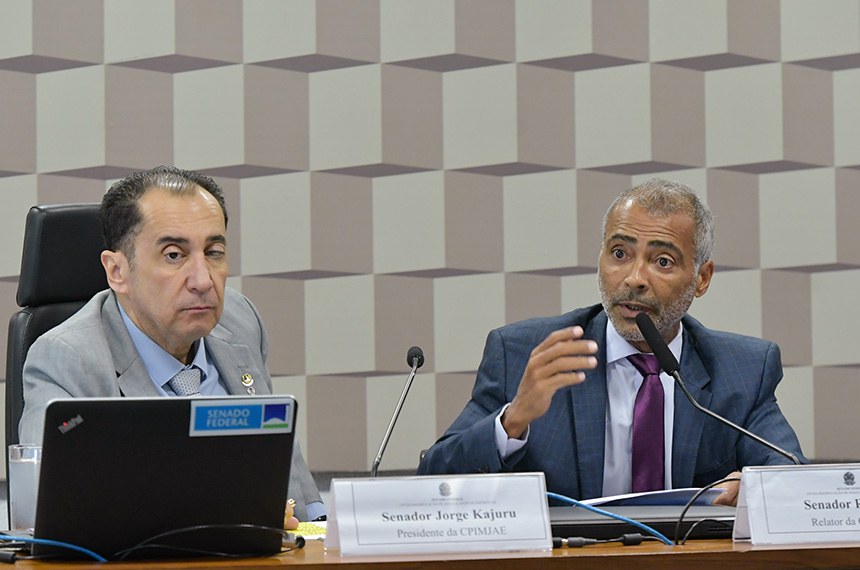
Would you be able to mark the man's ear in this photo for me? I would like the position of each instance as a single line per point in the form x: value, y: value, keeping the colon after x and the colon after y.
x: 116, y: 268
x: 703, y: 279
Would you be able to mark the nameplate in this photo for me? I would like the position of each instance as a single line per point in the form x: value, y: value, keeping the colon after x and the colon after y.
x: 799, y: 504
x: 439, y: 514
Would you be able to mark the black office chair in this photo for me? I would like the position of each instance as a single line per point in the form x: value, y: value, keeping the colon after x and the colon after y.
x: 60, y: 271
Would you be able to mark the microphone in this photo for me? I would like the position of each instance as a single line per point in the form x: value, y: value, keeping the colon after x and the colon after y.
x: 669, y: 364
x: 415, y: 359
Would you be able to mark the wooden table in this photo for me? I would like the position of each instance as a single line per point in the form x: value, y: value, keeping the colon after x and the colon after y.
x: 697, y: 555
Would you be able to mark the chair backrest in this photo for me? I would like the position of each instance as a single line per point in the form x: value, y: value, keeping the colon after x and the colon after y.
x: 60, y: 271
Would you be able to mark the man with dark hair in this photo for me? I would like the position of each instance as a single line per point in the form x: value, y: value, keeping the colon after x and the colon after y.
x: 579, y: 396
x: 168, y: 325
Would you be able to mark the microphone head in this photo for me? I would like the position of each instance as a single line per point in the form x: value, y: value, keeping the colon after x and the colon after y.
x: 415, y: 353
x: 668, y: 362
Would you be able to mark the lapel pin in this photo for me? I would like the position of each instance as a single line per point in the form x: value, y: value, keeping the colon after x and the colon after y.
x: 248, y: 382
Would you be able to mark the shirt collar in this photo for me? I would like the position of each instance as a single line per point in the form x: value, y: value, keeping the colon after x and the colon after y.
x: 160, y: 364
x: 617, y: 348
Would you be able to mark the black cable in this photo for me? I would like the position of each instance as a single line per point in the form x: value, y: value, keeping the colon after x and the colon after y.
x: 631, y: 539
x: 151, y: 542
x: 692, y: 501
x: 695, y: 524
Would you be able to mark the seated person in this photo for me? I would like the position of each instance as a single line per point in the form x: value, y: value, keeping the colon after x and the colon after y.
x: 167, y: 312
x: 573, y: 396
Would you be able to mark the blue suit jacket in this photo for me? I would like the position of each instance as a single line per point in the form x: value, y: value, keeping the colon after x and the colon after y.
x: 733, y: 375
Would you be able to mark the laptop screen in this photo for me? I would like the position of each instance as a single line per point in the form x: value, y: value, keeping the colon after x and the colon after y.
x: 165, y: 476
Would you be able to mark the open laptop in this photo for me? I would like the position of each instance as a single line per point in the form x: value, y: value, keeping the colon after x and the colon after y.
x: 118, y: 472
x: 711, y: 521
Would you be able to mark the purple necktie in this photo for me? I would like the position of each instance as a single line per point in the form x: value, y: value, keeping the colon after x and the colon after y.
x: 648, y: 449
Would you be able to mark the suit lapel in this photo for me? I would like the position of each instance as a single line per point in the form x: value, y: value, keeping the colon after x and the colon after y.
x: 588, y: 401
x: 234, y: 363
x: 131, y: 375
x: 689, y: 422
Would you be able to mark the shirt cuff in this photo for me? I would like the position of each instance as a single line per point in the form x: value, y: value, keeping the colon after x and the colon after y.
x: 315, y: 510
x: 507, y: 446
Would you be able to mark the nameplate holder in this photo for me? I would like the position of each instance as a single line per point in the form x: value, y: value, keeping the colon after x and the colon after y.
x: 795, y: 504
x: 439, y: 514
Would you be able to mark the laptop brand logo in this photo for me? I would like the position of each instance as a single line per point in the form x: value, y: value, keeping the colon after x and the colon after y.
x: 70, y: 424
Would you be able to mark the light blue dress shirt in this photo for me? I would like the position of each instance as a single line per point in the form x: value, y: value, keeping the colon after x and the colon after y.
x: 162, y: 366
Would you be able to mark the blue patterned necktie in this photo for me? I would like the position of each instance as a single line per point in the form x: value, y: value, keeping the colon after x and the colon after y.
x: 186, y: 382
x: 648, y: 447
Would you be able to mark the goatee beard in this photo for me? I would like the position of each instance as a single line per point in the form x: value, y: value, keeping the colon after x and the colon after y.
x: 665, y: 317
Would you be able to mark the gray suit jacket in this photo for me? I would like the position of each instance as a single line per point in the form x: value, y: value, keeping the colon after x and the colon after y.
x: 92, y: 355
x: 733, y: 375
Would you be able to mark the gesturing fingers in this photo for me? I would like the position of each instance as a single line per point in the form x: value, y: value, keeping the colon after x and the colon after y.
x: 561, y: 355
x: 556, y: 362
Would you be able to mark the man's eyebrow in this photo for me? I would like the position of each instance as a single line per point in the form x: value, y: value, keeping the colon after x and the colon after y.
x: 217, y: 238
x: 622, y: 237
x: 660, y: 244
x: 172, y: 239
x: 654, y: 243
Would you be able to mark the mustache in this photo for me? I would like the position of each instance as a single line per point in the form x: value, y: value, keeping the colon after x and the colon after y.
x: 633, y: 297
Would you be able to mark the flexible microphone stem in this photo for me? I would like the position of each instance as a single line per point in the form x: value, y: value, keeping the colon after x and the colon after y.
x: 677, y: 376
x: 415, y: 358
x: 670, y: 365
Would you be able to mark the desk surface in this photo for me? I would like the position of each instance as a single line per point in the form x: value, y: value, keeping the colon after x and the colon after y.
x: 700, y: 554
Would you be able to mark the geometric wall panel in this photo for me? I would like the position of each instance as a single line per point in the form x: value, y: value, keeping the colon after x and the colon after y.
x: 419, y: 173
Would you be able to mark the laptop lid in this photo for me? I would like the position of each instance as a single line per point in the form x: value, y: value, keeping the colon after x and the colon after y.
x: 118, y: 472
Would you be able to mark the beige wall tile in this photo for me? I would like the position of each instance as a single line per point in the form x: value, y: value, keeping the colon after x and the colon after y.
x: 796, y: 398
x: 613, y: 123
x: 836, y: 392
x: 787, y: 314
x: 70, y: 124
x: 681, y: 29
x: 464, y: 310
x: 539, y: 221
x: 733, y: 303
x: 345, y: 113
x: 486, y: 28
x: 19, y: 194
x: 422, y: 28
x: 545, y: 116
x: 412, y: 132
x: 743, y: 115
x: 811, y: 30
x: 339, y: 325
x: 137, y: 30
x: 275, y: 29
x: 548, y: 29
x: 139, y: 109
x: 18, y: 115
x: 479, y: 123
x: 403, y: 318
x: 833, y: 319
x: 796, y: 218
x: 409, y: 222
x: 276, y: 211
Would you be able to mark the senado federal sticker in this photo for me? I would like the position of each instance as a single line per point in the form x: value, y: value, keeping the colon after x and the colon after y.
x: 229, y: 417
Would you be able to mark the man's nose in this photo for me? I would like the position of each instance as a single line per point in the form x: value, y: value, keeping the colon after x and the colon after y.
x: 637, y: 274
x: 199, y: 277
